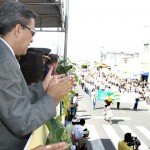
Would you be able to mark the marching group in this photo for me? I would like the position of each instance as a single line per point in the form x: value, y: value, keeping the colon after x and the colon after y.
x: 91, y: 82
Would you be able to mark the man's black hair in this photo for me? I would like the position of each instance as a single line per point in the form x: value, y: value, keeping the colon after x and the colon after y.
x: 82, y: 121
x: 127, y: 137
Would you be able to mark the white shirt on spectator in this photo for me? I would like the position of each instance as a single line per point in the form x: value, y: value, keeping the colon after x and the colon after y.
x: 78, y: 131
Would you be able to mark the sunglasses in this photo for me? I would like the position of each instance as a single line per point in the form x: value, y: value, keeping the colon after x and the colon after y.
x: 31, y: 30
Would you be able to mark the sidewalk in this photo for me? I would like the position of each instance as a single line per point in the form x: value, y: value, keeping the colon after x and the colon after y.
x: 85, y: 110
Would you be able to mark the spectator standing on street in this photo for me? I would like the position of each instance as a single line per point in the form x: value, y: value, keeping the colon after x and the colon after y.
x: 69, y: 129
x: 137, y: 99
x: 147, y: 96
x: 83, y: 82
x: 93, y: 98
x: 75, y: 104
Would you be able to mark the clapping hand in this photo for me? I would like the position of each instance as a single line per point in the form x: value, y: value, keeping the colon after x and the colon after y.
x: 60, y: 89
x: 51, y: 79
x: 55, y: 146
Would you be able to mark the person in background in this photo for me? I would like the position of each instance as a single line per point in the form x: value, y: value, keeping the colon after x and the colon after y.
x: 77, y: 132
x: 51, y: 62
x: 93, y: 98
x: 107, y: 111
x: 74, y: 104
x: 123, y: 145
x: 69, y: 129
x: 137, y: 99
x: 32, y: 66
x: 82, y: 82
x: 147, y: 96
x: 68, y: 118
x: 23, y: 109
x: 83, y: 140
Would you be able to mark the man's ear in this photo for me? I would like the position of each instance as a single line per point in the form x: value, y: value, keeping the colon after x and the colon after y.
x: 17, y: 30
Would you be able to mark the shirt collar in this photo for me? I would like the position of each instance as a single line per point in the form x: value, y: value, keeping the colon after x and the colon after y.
x: 10, y: 50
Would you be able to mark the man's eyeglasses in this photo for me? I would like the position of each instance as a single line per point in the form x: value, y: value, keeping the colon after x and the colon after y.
x: 32, y: 31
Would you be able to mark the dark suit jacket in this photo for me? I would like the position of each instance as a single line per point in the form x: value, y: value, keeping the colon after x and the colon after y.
x: 22, y: 109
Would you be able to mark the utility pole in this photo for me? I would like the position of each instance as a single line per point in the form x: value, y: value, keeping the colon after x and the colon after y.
x: 66, y: 30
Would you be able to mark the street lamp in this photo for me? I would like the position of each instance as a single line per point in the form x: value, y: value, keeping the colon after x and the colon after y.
x: 101, y: 54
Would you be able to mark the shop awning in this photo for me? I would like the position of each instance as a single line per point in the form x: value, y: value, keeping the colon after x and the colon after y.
x: 143, y: 73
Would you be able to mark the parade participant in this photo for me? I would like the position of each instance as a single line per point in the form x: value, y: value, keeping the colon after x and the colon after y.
x: 93, y: 98
x: 107, y: 111
x: 137, y: 99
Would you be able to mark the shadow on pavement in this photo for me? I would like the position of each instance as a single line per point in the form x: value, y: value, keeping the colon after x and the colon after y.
x: 100, y: 144
x: 116, y: 121
x: 129, y: 109
x: 108, y: 144
x: 81, y: 96
x: 86, y: 117
x: 81, y: 111
x: 99, y: 108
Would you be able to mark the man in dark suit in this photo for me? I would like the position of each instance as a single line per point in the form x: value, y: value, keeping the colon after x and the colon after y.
x: 22, y: 109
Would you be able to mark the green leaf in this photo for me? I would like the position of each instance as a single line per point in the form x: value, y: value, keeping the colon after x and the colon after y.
x: 67, y: 68
x: 59, y: 118
x: 60, y: 69
x: 63, y: 69
x: 56, y: 131
x: 62, y: 61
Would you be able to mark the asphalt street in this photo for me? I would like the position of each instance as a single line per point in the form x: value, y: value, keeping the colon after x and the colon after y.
x: 105, y: 136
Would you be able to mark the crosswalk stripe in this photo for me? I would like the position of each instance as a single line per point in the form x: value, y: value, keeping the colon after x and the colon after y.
x: 112, y: 135
x: 113, y: 118
x: 95, y: 141
x: 144, y: 131
x: 93, y: 136
x: 102, y: 117
x: 126, y: 129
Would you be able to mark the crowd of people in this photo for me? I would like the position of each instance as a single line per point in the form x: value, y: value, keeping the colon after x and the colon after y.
x: 75, y: 127
x: 77, y: 134
x: 91, y: 82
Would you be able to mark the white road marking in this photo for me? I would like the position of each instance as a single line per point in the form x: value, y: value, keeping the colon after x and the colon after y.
x: 93, y: 136
x: 144, y: 131
x: 112, y: 135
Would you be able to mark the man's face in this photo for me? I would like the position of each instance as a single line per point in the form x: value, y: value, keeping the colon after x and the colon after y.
x: 25, y: 38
